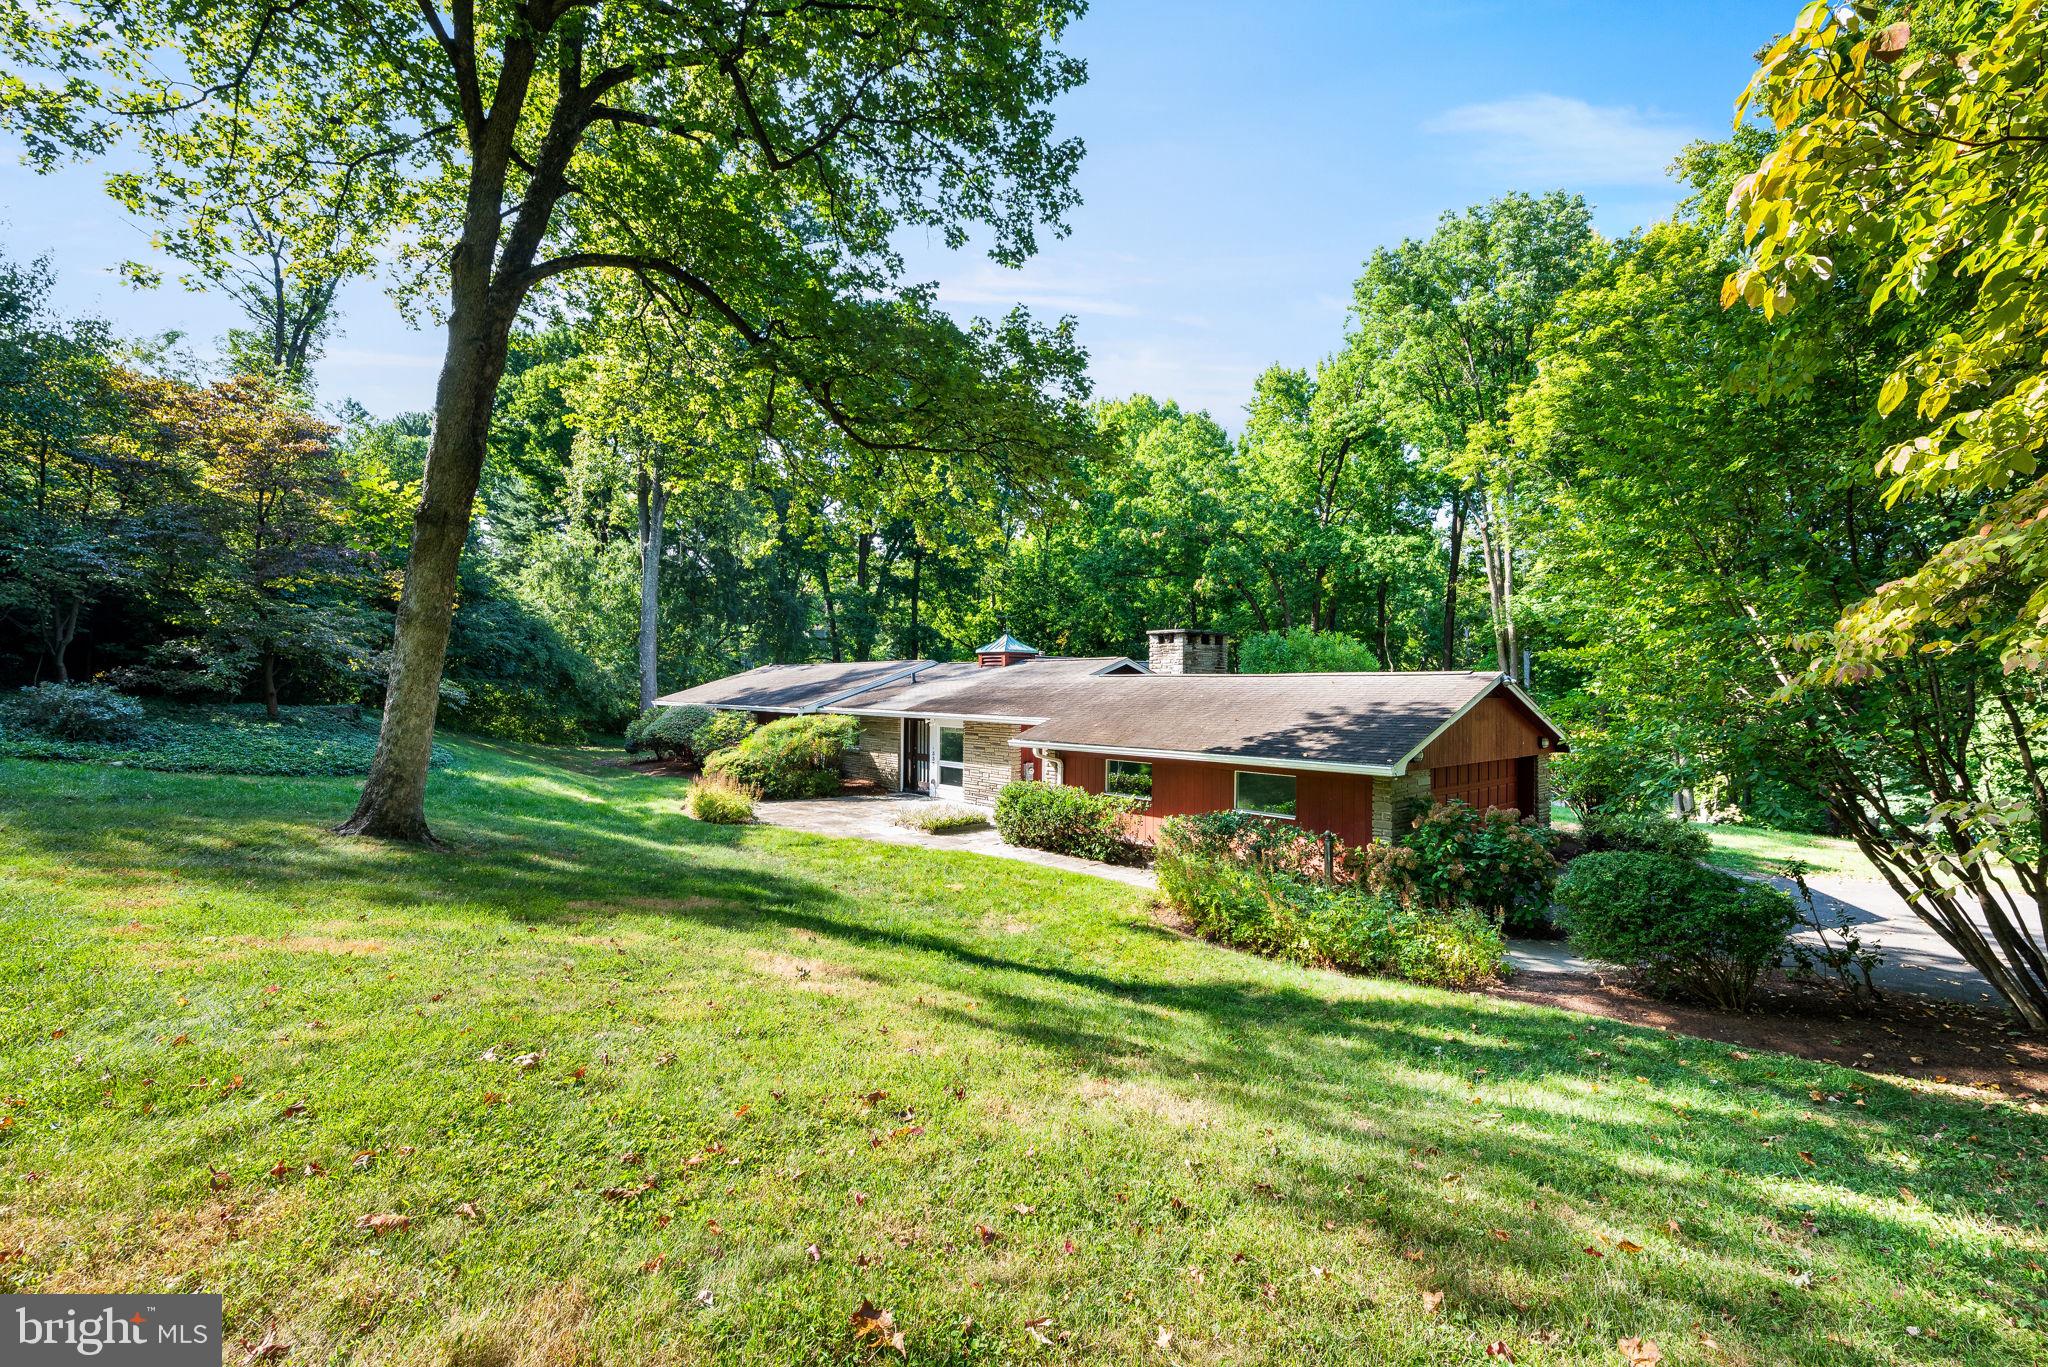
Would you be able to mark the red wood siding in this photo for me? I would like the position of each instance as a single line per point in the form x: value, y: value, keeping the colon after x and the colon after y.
x: 1498, y: 728
x: 1488, y: 783
x: 1340, y: 803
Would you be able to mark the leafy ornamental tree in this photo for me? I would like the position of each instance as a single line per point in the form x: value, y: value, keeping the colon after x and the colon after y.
x: 1447, y: 326
x: 1913, y: 161
x: 278, y: 584
x: 748, y: 162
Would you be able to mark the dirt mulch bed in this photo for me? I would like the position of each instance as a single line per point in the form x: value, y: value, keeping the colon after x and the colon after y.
x: 1947, y: 1045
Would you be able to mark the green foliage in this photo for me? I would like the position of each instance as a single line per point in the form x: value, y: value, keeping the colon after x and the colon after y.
x: 1288, y: 916
x: 76, y: 711
x: 942, y: 818
x: 721, y: 804
x: 1644, y: 833
x: 1492, y: 861
x: 1303, y: 652
x: 667, y: 732
x: 1067, y: 820
x: 1680, y: 927
x: 304, y: 742
x: 1910, y: 161
x: 792, y: 757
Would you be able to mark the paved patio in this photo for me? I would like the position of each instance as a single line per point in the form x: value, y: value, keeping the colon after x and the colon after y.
x: 1916, y: 959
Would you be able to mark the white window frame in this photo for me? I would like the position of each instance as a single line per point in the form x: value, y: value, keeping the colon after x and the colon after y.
x: 1237, y: 803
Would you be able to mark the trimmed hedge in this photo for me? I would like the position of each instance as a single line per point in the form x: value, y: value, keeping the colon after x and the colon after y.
x: 1683, y: 929
x: 1064, y: 820
x: 1643, y: 833
x: 792, y: 757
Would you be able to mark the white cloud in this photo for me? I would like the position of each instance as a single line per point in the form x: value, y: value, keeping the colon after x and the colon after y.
x: 1555, y: 139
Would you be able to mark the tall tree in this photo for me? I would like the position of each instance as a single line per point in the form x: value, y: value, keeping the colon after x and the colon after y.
x: 747, y: 162
x: 1448, y: 324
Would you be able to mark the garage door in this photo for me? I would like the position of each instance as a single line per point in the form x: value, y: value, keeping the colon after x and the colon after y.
x: 1490, y: 783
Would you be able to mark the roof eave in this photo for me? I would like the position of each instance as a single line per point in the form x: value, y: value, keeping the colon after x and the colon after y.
x: 1327, y: 766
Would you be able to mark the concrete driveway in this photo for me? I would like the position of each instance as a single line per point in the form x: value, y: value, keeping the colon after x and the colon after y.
x: 1916, y: 960
x: 873, y: 817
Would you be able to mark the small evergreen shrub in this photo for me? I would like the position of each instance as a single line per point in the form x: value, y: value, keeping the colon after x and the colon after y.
x: 76, y: 711
x: 690, y: 733
x: 1680, y: 927
x: 941, y: 818
x: 1643, y: 833
x: 793, y: 757
x: 1042, y: 816
x: 1492, y: 861
x: 721, y: 804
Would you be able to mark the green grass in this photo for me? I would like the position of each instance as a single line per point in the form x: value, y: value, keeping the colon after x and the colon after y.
x: 223, y: 738
x: 1761, y: 849
x: 790, y: 1074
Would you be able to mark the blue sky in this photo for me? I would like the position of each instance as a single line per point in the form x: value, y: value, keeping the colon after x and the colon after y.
x: 1243, y: 159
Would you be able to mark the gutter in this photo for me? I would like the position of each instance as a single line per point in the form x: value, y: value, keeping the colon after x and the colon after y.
x: 1324, y: 766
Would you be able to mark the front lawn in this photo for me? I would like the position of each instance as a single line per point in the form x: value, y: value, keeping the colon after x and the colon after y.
x: 620, y: 1087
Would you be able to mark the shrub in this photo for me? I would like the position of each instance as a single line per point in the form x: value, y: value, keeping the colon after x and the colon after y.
x: 940, y: 818
x: 1343, y: 925
x: 1491, y: 860
x: 793, y: 757
x: 76, y: 711
x: 721, y: 804
x: 1643, y: 833
x: 722, y: 732
x: 1678, y: 926
x: 1042, y: 816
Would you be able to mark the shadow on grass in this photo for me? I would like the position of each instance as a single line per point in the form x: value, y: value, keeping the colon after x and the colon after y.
x: 1452, y: 1116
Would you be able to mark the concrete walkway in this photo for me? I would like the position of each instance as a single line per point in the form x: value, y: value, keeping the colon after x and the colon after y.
x: 1916, y: 959
x: 873, y: 817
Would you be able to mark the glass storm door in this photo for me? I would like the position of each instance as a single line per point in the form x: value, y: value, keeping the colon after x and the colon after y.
x: 917, y: 755
x: 952, y: 762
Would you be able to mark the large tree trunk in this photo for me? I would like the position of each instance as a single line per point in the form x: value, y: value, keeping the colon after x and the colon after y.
x: 393, y: 804
x: 1497, y: 554
x: 1457, y: 556
x: 653, y: 510
x: 1382, y: 637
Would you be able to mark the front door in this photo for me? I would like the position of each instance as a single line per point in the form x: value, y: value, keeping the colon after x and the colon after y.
x: 917, y: 755
x: 952, y: 762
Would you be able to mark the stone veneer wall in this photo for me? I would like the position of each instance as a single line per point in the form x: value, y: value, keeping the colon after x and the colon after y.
x: 877, y: 754
x: 1396, y: 800
x: 991, y: 760
x: 1543, y: 790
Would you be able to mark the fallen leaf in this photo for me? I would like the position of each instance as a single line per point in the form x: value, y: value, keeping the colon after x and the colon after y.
x: 1640, y: 1352
x: 1592, y: 1252
x: 655, y: 1264
x: 467, y: 1210
x: 985, y: 1234
x: 1499, y: 1349
x: 1165, y: 1339
x: 270, y: 1349
x: 296, y: 1108
x: 1432, y: 1302
x: 383, y: 1223
x: 812, y: 1252
x: 877, y: 1327
x: 704, y: 1297
x: 1629, y: 1246
x: 1499, y: 1234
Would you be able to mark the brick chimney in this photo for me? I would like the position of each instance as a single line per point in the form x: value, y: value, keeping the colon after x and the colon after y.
x: 1178, y: 650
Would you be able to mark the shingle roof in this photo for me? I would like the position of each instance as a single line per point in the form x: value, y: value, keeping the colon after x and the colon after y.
x: 1371, y: 720
x: 789, y: 688
x: 1361, y: 721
